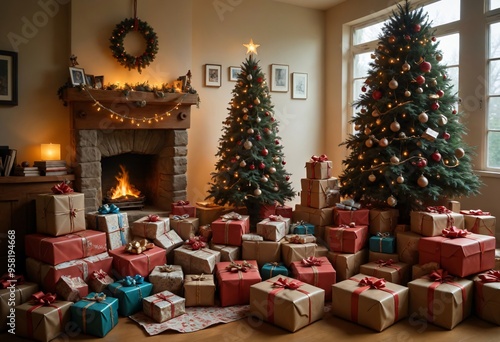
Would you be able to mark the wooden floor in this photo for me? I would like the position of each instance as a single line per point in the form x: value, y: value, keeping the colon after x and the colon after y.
x: 329, y: 329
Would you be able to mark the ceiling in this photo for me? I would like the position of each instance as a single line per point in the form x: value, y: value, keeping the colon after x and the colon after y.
x: 315, y: 4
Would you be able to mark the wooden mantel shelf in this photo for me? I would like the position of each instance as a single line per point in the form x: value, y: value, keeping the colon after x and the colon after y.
x: 85, y: 114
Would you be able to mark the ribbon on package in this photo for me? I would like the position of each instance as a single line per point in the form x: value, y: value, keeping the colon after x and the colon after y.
x: 235, y: 267
x: 108, y: 209
x: 101, y: 275
x: 231, y: 216
x: 318, y: 159
x: 382, y: 236
x: 390, y: 263
x: 38, y: 300
x: 439, y: 277
x: 311, y: 261
x: 139, y: 246
x: 475, y: 212
x: 196, y: 243
x: 280, y: 285
x: 162, y: 297
x: 166, y: 268
x: 130, y: 281
x: 181, y: 203
x: 61, y: 188
x: 152, y: 218
x: 453, y: 233
x: 8, y: 278
x: 439, y: 209
x: 276, y: 218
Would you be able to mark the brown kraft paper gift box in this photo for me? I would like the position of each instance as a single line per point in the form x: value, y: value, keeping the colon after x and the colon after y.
x: 196, y: 261
x: 291, y: 252
x: 22, y: 293
x: 317, y: 217
x: 346, y: 264
x: 60, y: 214
x: 383, y: 220
x: 407, y: 247
x: 261, y: 251
x: 432, y: 224
x: 167, y: 278
x: 319, y: 193
x: 395, y: 272
x: 199, y: 290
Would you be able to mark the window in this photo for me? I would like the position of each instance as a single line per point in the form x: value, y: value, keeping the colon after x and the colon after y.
x: 493, y: 97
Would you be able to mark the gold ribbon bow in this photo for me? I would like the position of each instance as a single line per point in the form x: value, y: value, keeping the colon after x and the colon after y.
x: 200, y: 277
x: 167, y: 268
x: 98, y: 297
x: 231, y: 216
x: 139, y: 246
x: 234, y: 267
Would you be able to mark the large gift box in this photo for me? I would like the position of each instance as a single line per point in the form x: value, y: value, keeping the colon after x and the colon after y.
x: 441, y: 299
x: 234, y: 280
x: 208, y: 212
x: 126, y: 263
x: 60, y: 214
x: 151, y: 226
x: 433, y: 221
x: 407, y: 246
x: 347, y: 265
x: 96, y: 314
x: 227, y: 253
x: 369, y: 301
x: 163, y: 306
x: 10, y: 295
x: 261, y: 251
x: 319, y: 193
x: 317, y: 217
x: 199, y: 290
x: 196, y: 261
x: 382, y: 242
x: 291, y: 252
x: 376, y: 256
x: 228, y: 229
x: 56, y: 250
x: 383, y: 220
x: 479, y: 222
x: 185, y: 226
x: 459, y: 252
x: 487, y: 296
x: 47, y: 275
x: 99, y: 281
x: 169, y: 241
x: 287, y: 303
x: 284, y: 210
x: 319, y: 167
x: 347, y: 239
x: 273, y: 228
x: 360, y: 217
x: 115, y: 225
x: 43, y: 318
x: 183, y: 208
x: 395, y: 272
x: 167, y: 278
x: 272, y: 269
x: 71, y: 289
x: 130, y: 292
x: 318, y: 272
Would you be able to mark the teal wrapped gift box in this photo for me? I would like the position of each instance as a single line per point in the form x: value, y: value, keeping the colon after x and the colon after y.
x: 130, y: 291
x: 95, y: 314
x: 303, y: 228
x: 272, y: 269
x: 382, y: 244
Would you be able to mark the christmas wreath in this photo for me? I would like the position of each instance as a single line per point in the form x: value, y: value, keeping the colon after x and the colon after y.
x: 118, y: 49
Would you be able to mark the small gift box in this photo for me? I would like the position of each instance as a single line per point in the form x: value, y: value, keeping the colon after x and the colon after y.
x: 407, y: 247
x: 273, y: 228
x: 196, y: 261
x: 296, y: 238
x: 185, y: 226
x: 99, y: 281
x: 487, y: 296
x: 376, y: 256
x: 95, y: 314
x: 319, y: 167
x: 318, y: 272
x: 347, y: 239
x: 228, y: 229
x: 432, y: 221
x: 479, y: 222
x: 208, y: 212
x: 206, y: 232
x: 125, y: 262
x: 272, y: 269
x: 360, y: 217
x: 169, y: 241
x: 167, y: 278
x: 419, y: 271
x: 291, y: 252
x: 43, y: 318
x: 60, y: 214
x: 130, y: 292
x: 163, y: 306
x: 183, y: 208
x: 114, y: 224
x: 382, y: 242
x: 284, y: 210
x: 454, y: 206
x: 234, y: 280
x: 71, y: 289
x: 261, y: 251
x: 199, y: 290
x: 316, y: 217
x: 56, y: 250
x: 441, y: 299
x: 383, y: 221
x: 13, y: 294
x: 395, y: 272
x: 319, y: 193
x: 151, y: 226
x: 370, y: 301
x: 302, y: 228
x: 287, y: 303
x: 347, y: 265
x: 227, y: 253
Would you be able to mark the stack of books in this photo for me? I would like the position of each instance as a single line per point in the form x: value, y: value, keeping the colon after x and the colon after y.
x: 52, y: 167
x: 7, y: 160
x: 26, y: 171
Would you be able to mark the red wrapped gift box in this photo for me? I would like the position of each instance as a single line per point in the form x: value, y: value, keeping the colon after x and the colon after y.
x: 56, y: 250
x: 126, y: 263
x: 346, y: 239
x: 360, y: 217
x: 267, y: 210
x: 314, y: 271
x: 284, y: 210
x: 183, y: 208
x: 228, y: 229
x: 235, y: 279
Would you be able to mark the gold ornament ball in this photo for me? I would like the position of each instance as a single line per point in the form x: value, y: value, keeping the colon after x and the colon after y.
x: 272, y: 169
x: 392, y: 39
x: 243, y: 163
x: 407, y: 93
x: 372, y: 178
x: 264, y: 179
x: 375, y: 113
x: 383, y: 142
x: 395, y: 126
x: 258, y: 119
x: 357, y: 127
x: 459, y: 152
x: 423, y: 117
x: 367, y: 131
x: 392, y: 201
x: 245, y: 117
x: 422, y: 181
x: 400, y: 179
x: 369, y: 143
x: 443, y: 120
x: 257, y: 192
x: 394, y: 160
x: 393, y: 84
x: 439, y: 57
x: 247, y: 144
x: 250, y: 131
x: 256, y: 101
x: 406, y: 66
x: 419, y: 90
x: 276, y: 189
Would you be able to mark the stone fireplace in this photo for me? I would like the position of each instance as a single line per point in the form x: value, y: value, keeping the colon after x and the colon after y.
x: 95, y: 138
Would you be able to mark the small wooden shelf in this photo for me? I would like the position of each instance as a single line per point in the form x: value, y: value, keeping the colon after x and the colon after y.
x: 36, y: 179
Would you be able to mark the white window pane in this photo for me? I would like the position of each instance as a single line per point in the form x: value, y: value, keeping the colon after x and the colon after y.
x: 361, y: 64
x: 494, y: 78
x: 443, y: 12
x: 367, y: 34
x: 494, y: 40
x: 358, y: 84
x: 450, y: 46
x: 452, y: 74
x: 494, y: 4
x: 494, y: 113
x: 493, y: 149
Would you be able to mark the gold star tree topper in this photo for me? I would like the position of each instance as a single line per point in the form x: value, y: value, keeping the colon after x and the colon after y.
x: 251, y: 47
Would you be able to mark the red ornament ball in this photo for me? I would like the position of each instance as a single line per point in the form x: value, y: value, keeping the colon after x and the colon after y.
x: 267, y: 113
x: 422, y: 163
x: 454, y: 111
x: 287, y: 178
x: 250, y: 106
x: 277, y: 142
x: 283, y: 162
x: 433, y: 38
x: 436, y: 156
x: 238, y: 142
x: 434, y: 106
x: 251, y: 167
x: 446, y: 136
x: 440, y: 93
x: 407, y: 37
x: 264, y: 152
x: 425, y: 66
x: 258, y: 137
x: 259, y: 79
x: 363, y: 89
x: 377, y: 95
x: 254, y: 67
x: 420, y: 80
x: 416, y: 27
x: 233, y: 160
x: 273, y: 119
x: 262, y: 166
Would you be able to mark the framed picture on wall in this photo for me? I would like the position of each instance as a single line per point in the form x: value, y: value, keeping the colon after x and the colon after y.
x: 213, y: 75
x: 8, y: 78
x: 299, y: 85
x: 234, y: 72
x: 77, y: 76
x: 279, y: 77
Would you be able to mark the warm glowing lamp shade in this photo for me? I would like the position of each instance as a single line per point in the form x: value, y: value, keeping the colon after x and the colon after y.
x: 51, y: 151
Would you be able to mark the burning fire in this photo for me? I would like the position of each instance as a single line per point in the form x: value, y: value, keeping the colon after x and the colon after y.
x: 124, y: 188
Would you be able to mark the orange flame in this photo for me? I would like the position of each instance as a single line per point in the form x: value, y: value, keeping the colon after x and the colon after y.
x: 123, y: 188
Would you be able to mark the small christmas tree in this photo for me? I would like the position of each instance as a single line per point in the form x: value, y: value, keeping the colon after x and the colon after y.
x: 250, y: 171
x: 408, y: 150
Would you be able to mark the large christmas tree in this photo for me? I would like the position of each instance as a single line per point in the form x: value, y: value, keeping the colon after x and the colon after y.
x: 407, y: 151
x: 250, y: 170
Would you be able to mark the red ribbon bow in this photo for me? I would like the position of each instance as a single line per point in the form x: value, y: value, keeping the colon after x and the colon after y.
x: 382, y: 262
x: 453, y: 232
x: 197, y: 242
x: 440, y: 209
x: 61, y: 188
x: 163, y: 296
x: 477, y: 212
x: 153, y: 218
x: 312, y: 261
x: 492, y: 276
x: 181, y: 203
x: 275, y: 218
x: 287, y: 283
x: 440, y: 276
x: 373, y: 283
x: 321, y: 158
x: 98, y: 274
x: 41, y: 298
x: 8, y: 278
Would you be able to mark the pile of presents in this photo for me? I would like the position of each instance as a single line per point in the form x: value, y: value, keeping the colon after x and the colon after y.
x: 92, y: 268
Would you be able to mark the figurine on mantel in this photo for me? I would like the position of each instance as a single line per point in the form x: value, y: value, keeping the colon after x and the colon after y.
x: 73, y: 61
